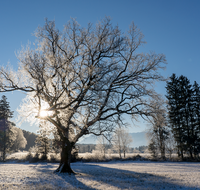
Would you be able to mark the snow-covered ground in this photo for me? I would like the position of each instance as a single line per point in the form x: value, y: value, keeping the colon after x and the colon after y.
x: 109, y: 176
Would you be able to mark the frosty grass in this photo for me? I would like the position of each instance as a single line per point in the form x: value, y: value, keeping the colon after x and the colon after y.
x: 108, y: 175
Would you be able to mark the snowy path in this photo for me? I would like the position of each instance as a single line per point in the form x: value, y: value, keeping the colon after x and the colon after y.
x: 109, y: 176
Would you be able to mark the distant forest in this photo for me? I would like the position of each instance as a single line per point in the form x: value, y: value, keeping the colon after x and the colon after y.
x: 30, y: 137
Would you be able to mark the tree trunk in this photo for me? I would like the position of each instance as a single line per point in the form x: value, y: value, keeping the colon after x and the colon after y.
x: 170, y: 154
x: 65, y: 161
x: 120, y: 156
x: 182, y: 154
x: 124, y: 153
x: 162, y: 151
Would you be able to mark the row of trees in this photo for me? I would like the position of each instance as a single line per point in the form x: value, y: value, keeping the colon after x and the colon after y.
x: 12, y: 138
x: 176, y: 124
x: 120, y: 143
x: 184, y: 114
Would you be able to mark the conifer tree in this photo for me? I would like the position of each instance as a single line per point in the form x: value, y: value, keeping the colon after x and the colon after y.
x: 184, y: 114
x: 174, y: 110
x: 196, y: 111
x: 6, y: 133
x: 187, y: 120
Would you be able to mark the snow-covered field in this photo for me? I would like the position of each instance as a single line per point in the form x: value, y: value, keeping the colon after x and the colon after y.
x: 109, y: 176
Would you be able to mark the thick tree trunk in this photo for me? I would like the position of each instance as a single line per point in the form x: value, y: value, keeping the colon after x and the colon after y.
x: 65, y: 161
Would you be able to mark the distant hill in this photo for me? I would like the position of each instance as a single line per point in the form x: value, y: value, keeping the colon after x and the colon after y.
x: 139, y: 139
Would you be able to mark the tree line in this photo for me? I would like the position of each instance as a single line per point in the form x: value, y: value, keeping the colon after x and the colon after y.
x: 175, y: 126
x: 13, y: 139
x: 184, y: 114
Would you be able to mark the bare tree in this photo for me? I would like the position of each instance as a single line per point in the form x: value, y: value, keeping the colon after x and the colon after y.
x: 158, y: 132
x: 86, y: 78
x: 117, y: 144
x: 42, y: 141
x: 101, y: 145
x: 170, y: 144
x: 126, y: 141
x: 121, y: 141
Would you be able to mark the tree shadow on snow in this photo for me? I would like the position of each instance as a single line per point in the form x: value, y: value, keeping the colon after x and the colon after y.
x: 49, y: 179
x: 89, y: 176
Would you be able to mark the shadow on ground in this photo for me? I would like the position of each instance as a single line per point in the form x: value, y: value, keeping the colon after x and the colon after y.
x: 92, y: 176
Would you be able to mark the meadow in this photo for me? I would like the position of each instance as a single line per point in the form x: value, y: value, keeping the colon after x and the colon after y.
x: 105, y: 175
x: 111, y: 175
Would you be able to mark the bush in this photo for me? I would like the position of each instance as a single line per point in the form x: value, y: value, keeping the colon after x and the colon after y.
x: 29, y: 156
x: 54, y: 158
x: 43, y: 157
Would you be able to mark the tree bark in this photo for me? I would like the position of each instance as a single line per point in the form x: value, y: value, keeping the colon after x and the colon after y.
x: 65, y: 161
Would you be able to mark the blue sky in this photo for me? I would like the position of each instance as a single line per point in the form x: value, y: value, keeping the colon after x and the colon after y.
x: 171, y: 27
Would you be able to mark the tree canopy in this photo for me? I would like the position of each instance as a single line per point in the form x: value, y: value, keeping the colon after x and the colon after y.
x: 85, y: 78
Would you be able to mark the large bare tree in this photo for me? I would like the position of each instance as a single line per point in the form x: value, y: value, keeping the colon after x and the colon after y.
x: 86, y: 78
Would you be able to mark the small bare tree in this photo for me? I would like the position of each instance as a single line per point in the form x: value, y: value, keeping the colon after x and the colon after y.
x: 170, y: 144
x: 101, y: 145
x: 85, y: 79
x: 158, y: 132
x: 42, y: 141
x: 117, y: 144
x: 126, y: 141
x: 121, y: 141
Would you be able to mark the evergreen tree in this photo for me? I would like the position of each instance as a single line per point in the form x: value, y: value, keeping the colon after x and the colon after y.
x: 196, y: 112
x: 183, y: 100
x: 187, y: 119
x: 153, y: 148
x: 174, y: 110
x: 6, y: 134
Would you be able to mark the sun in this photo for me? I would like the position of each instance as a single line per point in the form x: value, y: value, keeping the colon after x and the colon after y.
x: 44, y: 113
x: 44, y: 110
